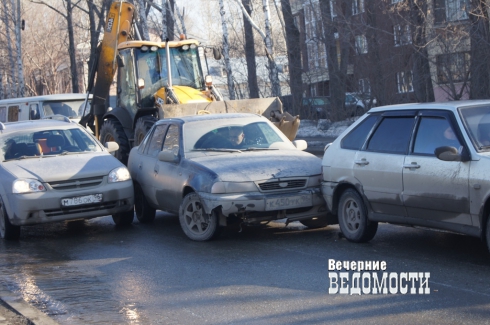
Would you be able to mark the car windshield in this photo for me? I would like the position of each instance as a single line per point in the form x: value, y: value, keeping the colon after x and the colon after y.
x: 233, y: 135
x: 68, y: 108
x: 477, y: 123
x: 43, y: 143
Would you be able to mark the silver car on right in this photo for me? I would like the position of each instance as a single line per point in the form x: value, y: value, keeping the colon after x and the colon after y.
x: 425, y: 164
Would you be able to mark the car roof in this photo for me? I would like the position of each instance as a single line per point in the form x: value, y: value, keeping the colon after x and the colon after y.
x: 62, y: 97
x: 11, y: 127
x: 209, y: 117
x: 450, y: 105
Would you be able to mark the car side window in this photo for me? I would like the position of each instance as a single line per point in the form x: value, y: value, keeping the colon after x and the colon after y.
x: 172, y: 142
x: 392, y: 135
x: 356, y: 138
x: 434, y: 132
x: 142, y: 146
x: 156, y: 142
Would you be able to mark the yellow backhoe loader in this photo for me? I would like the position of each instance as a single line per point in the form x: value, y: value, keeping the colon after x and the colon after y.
x: 157, y: 80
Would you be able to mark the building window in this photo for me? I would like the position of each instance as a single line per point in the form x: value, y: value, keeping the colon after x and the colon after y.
x: 449, y: 10
x: 333, y: 8
x: 357, y: 6
x: 364, y: 86
x: 456, y: 10
x: 361, y: 44
x: 402, y: 35
x: 453, y: 67
x: 404, y: 81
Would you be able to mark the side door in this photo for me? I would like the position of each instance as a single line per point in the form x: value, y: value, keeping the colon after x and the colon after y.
x: 379, y: 166
x: 170, y: 177
x: 148, y: 157
x: 436, y: 190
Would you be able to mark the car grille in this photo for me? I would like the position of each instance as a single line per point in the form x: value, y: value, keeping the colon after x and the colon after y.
x: 76, y: 183
x: 283, y: 184
x: 81, y: 208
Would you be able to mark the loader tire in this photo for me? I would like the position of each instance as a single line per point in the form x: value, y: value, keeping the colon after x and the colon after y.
x: 112, y: 130
x: 143, y: 125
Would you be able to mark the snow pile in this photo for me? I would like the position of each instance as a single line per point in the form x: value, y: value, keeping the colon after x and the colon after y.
x: 322, y: 128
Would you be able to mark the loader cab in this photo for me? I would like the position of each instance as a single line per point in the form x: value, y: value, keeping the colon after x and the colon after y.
x: 144, y: 70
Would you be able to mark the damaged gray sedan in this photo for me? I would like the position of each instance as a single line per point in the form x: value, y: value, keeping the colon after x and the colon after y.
x: 215, y: 169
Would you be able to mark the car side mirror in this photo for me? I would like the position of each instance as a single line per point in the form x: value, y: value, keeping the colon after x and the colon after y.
x: 168, y: 156
x: 111, y: 146
x: 300, y: 144
x: 448, y: 154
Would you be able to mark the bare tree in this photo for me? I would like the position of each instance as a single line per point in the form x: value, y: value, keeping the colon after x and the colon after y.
x: 69, y: 6
x: 480, y: 47
x: 250, y: 52
x: 226, y: 52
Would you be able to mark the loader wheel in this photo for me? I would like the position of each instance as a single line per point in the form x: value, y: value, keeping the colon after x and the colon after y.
x: 112, y: 130
x: 143, y: 125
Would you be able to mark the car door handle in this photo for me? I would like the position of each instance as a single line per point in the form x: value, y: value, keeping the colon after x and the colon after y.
x: 362, y: 162
x: 412, y: 165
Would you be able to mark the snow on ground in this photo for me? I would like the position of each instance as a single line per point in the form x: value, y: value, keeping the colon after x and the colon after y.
x: 322, y: 128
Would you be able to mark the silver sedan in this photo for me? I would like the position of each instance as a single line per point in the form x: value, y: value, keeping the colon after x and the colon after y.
x: 219, y: 168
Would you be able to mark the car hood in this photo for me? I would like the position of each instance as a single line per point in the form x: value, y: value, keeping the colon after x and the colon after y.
x: 59, y: 168
x: 260, y: 165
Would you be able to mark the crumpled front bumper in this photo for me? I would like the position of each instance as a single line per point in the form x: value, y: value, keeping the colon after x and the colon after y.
x: 257, y: 202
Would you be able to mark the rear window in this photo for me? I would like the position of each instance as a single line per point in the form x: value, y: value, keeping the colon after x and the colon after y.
x: 392, y: 135
x: 356, y: 138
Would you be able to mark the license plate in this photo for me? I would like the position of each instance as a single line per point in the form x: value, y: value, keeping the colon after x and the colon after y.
x: 81, y: 200
x: 288, y: 202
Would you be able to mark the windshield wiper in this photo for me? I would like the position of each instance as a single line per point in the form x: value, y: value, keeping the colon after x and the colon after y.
x: 259, y: 149
x: 483, y: 147
x: 218, y: 149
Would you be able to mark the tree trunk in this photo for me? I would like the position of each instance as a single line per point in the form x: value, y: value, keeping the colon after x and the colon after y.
x: 274, y: 75
x: 71, y: 47
x: 20, y: 65
x: 479, y: 36
x: 294, y: 55
x: 226, y: 52
x: 422, y: 80
x: 250, y: 53
x: 12, y: 81
x: 142, y: 24
x: 170, y: 20
x: 337, y: 67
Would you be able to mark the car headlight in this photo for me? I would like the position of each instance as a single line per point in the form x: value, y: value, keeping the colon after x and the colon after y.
x: 119, y: 174
x: 26, y: 185
x: 233, y: 187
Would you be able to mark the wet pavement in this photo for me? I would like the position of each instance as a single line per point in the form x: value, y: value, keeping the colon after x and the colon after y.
x: 94, y: 273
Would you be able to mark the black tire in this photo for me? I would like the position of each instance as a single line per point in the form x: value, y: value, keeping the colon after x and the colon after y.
x: 353, y: 220
x: 196, y: 224
x: 144, y: 212
x: 7, y: 230
x: 315, y: 223
x: 487, y: 234
x: 112, y: 130
x: 123, y: 219
x: 143, y: 125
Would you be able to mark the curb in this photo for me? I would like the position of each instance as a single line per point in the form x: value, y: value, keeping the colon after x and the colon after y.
x: 34, y: 315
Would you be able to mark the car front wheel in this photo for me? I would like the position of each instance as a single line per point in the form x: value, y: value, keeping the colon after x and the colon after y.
x: 353, y: 220
x: 195, y: 222
x: 144, y: 212
x: 8, y: 230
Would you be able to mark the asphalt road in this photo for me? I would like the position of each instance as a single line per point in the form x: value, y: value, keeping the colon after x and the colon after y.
x: 93, y: 273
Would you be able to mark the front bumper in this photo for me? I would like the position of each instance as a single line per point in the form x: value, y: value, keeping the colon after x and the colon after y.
x: 327, y: 192
x: 257, y: 202
x: 43, y: 207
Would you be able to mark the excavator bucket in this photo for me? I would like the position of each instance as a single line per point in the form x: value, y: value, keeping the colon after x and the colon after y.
x: 268, y: 107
